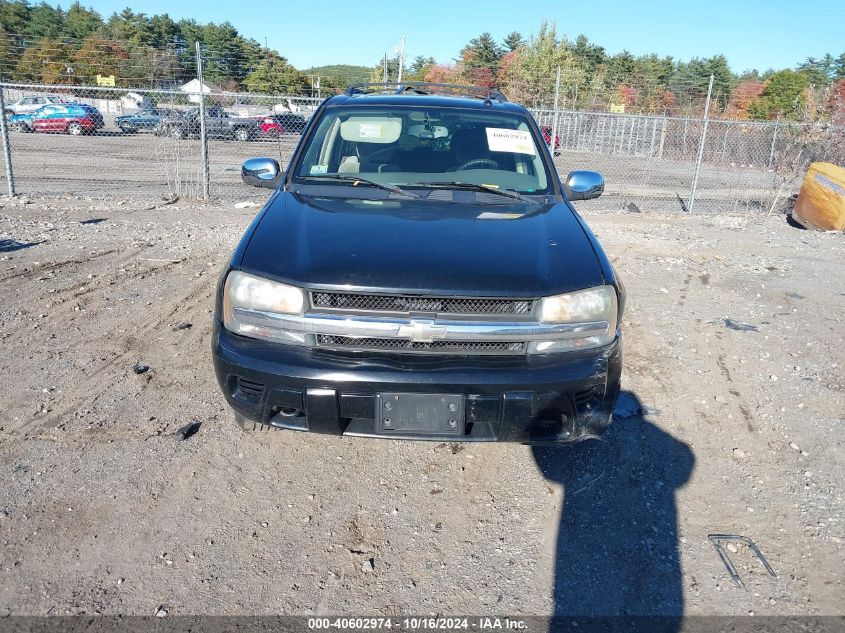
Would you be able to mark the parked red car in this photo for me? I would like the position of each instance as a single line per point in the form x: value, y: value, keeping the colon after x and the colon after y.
x: 547, y: 136
x: 277, y: 124
x: 71, y: 118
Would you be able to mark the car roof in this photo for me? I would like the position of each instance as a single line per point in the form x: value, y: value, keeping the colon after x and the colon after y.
x: 439, y: 101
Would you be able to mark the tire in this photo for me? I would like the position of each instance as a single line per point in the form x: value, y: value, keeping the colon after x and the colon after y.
x: 74, y: 129
x: 128, y: 129
x: 242, y: 134
x: 22, y: 127
x: 274, y: 134
x: 248, y: 426
x: 176, y: 133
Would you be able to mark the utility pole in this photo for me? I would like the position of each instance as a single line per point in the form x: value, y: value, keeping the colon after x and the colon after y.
x: 700, y: 147
x: 401, y: 58
x: 384, y: 73
x: 203, y: 137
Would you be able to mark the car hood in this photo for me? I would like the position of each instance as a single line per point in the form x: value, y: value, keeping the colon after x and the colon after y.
x: 512, y: 249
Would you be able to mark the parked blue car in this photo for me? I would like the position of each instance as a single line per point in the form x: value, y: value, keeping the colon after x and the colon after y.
x: 146, y: 119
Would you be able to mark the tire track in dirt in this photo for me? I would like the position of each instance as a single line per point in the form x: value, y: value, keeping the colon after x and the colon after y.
x: 52, y: 266
x: 122, y: 352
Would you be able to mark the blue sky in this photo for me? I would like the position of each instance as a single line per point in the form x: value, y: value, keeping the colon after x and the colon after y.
x: 752, y: 34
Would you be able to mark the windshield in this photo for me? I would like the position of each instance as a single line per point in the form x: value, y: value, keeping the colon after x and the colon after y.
x: 419, y: 146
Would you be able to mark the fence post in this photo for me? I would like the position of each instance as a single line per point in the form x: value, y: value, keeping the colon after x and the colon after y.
x: 662, y: 137
x: 554, y: 120
x: 653, y: 137
x: 203, y: 137
x: 7, y: 149
x: 700, y: 148
x: 774, y: 140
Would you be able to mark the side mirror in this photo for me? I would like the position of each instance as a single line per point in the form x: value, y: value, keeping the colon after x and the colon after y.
x: 261, y: 172
x: 584, y: 185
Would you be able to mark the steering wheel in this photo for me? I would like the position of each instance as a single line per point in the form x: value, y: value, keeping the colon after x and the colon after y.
x: 479, y: 163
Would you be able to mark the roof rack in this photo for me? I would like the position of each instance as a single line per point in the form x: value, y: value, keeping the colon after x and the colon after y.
x: 426, y: 88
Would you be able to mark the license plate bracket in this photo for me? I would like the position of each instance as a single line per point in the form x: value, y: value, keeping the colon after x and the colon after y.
x: 419, y: 414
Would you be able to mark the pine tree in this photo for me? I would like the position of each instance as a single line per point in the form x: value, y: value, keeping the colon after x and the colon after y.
x: 482, y: 52
x: 513, y: 40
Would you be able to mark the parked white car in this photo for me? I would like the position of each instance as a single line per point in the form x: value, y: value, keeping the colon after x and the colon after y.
x: 27, y: 105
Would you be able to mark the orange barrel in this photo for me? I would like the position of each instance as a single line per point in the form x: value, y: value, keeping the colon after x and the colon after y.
x: 821, y: 202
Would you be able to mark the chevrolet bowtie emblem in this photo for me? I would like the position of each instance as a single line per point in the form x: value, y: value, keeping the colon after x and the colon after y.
x: 422, y: 331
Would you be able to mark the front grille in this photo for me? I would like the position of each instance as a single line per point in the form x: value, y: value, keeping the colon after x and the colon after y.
x: 435, y: 347
x: 409, y: 303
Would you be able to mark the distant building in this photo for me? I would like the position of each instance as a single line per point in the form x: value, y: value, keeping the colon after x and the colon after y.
x: 193, y: 89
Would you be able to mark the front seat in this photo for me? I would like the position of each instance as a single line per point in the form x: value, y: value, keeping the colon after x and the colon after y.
x: 349, y: 165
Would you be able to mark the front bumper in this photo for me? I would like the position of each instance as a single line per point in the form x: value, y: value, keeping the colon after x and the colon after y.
x: 529, y: 399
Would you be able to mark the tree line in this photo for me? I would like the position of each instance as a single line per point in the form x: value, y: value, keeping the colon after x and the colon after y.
x: 43, y: 44
x: 525, y: 68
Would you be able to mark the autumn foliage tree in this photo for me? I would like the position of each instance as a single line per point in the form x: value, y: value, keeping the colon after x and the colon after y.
x: 626, y: 95
x: 97, y: 57
x: 836, y: 104
x: 742, y: 97
x: 442, y: 74
x: 46, y: 62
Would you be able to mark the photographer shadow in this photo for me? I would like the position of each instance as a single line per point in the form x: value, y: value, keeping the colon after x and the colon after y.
x: 617, y: 544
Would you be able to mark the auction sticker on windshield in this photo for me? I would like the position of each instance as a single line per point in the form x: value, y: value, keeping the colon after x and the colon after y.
x: 505, y: 140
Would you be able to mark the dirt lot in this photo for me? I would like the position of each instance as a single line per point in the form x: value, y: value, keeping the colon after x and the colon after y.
x: 105, y: 509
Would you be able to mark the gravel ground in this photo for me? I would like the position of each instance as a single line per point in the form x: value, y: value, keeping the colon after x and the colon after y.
x: 104, y: 508
x: 106, y: 165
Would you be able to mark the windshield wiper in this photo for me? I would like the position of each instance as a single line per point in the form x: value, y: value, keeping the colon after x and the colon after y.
x: 355, y: 180
x: 469, y: 186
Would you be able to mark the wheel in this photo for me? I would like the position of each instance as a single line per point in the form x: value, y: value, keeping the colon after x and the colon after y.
x: 274, y: 133
x: 176, y: 133
x: 241, y: 134
x: 74, y: 129
x: 247, y: 426
x: 127, y: 129
x: 21, y: 127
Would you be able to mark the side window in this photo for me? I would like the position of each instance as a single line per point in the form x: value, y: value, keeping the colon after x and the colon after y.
x: 27, y: 101
x: 39, y: 100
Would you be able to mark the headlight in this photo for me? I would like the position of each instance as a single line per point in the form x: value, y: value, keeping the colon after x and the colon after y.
x: 594, y: 309
x: 249, y: 302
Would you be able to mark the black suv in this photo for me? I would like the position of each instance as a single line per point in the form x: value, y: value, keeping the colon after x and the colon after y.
x: 420, y: 272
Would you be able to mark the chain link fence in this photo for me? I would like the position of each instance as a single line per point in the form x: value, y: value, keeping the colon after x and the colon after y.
x: 650, y: 161
x: 148, y: 145
x: 92, y: 142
